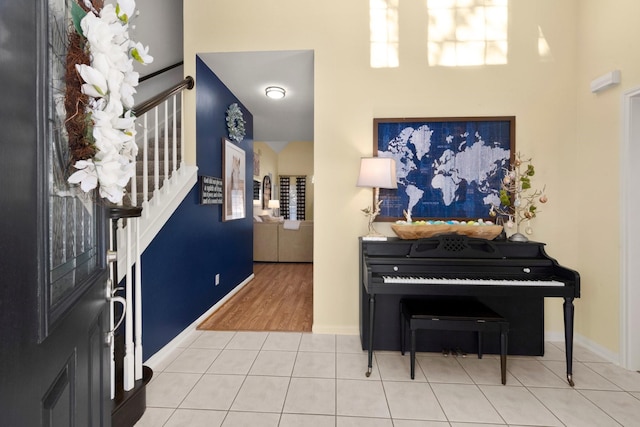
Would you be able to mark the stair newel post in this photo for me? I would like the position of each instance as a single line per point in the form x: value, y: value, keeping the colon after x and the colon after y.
x: 117, y: 213
x: 113, y: 280
x: 138, y: 304
x: 129, y: 361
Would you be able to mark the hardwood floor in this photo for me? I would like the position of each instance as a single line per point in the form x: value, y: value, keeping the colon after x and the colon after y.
x: 279, y: 298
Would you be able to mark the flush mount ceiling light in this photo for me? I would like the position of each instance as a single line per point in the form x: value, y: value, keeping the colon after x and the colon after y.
x: 275, y: 92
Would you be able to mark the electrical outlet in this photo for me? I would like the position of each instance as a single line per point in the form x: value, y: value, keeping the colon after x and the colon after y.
x: 217, y: 279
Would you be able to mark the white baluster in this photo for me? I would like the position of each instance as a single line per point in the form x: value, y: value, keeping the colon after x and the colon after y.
x: 174, y: 151
x: 182, y: 141
x: 145, y: 163
x: 166, y: 147
x: 138, y: 303
x: 156, y: 159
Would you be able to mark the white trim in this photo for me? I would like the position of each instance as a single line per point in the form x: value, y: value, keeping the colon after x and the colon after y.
x: 154, y: 218
x: 596, y: 348
x: 156, y: 214
x: 157, y: 358
x: 335, y: 329
x: 582, y: 341
x: 629, y: 247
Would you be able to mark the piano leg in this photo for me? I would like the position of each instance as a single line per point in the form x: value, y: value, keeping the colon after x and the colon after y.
x: 372, y: 316
x: 568, y: 337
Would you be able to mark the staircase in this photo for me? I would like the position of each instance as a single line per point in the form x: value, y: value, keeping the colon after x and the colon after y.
x: 161, y: 183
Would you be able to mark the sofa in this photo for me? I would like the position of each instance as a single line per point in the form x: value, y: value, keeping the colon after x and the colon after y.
x: 274, y: 242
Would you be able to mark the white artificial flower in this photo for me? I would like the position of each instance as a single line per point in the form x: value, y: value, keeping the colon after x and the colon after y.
x: 95, y: 82
x: 97, y: 33
x: 108, y: 15
x: 112, y: 193
x: 125, y: 122
x: 125, y: 9
x: 126, y: 92
x: 140, y: 54
x: 130, y: 151
x: 86, y: 175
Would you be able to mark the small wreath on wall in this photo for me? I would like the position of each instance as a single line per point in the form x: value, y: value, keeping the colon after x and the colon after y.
x: 235, y: 123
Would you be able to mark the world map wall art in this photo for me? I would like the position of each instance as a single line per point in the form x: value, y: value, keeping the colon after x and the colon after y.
x: 447, y: 168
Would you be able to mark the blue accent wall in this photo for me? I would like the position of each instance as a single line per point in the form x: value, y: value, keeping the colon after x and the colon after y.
x: 180, y: 264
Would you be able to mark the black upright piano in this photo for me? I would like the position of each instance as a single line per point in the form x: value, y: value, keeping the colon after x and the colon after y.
x: 512, y: 278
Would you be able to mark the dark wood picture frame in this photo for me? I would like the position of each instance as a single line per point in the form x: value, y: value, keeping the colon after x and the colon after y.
x: 439, y: 157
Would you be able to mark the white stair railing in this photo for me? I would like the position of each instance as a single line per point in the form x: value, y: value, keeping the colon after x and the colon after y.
x: 135, y: 230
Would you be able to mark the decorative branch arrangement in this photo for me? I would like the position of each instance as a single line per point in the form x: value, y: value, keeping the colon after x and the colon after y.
x: 517, y: 198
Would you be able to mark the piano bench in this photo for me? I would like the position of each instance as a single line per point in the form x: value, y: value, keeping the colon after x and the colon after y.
x: 452, y: 314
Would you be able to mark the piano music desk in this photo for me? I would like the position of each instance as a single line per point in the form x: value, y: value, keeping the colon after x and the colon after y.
x: 452, y: 314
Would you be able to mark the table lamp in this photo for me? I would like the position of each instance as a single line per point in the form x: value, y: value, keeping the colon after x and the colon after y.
x: 275, y: 205
x: 376, y: 173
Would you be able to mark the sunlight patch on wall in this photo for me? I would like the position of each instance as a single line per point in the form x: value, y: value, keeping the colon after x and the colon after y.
x: 544, y: 50
x: 383, y: 29
x: 468, y: 32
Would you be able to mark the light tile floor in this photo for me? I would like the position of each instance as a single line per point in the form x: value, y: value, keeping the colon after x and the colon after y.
x: 300, y: 379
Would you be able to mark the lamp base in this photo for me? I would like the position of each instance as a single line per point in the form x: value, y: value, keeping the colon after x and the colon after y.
x: 518, y: 237
x: 371, y: 214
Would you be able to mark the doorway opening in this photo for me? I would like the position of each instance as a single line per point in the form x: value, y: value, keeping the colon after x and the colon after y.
x: 283, y: 146
x: 630, y: 233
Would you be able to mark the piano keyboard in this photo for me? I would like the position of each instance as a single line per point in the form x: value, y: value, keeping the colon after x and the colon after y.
x: 474, y: 282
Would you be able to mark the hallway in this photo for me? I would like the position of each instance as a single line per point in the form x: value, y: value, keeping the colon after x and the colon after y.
x: 279, y: 298
x: 292, y: 379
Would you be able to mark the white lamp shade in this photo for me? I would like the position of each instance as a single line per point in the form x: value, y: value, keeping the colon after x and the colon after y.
x: 377, y: 172
x: 274, y: 204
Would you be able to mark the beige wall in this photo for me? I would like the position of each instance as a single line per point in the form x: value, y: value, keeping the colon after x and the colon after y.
x: 607, y: 35
x: 564, y: 133
x: 268, y: 160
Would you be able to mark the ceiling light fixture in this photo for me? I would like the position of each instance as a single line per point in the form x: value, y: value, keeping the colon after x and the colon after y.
x: 275, y: 92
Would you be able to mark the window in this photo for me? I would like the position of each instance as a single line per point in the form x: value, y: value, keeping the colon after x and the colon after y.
x: 383, y: 30
x: 468, y: 32
x: 293, y: 190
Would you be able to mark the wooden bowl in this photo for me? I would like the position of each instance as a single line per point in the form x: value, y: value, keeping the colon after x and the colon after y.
x: 412, y: 232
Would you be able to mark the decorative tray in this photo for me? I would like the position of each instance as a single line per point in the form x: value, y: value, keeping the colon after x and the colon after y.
x: 423, y: 231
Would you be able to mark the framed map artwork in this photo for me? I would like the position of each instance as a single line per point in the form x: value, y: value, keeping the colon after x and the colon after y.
x: 447, y: 168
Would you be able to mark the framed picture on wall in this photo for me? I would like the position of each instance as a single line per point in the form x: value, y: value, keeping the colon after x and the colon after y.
x: 233, y: 172
x: 446, y: 168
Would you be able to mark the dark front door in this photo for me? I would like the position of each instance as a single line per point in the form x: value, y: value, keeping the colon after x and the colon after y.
x: 54, y: 364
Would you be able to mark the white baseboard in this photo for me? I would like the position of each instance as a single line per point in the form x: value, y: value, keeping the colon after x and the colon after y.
x: 590, y: 345
x: 335, y: 329
x: 157, y: 358
x: 605, y: 353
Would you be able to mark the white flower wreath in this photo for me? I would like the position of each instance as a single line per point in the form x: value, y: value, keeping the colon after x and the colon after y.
x: 235, y: 122
x: 110, y: 82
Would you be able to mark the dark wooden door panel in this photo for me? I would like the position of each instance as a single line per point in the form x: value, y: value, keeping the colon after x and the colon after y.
x: 54, y: 368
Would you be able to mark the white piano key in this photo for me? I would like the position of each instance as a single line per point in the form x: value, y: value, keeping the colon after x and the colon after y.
x: 473, y: 282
